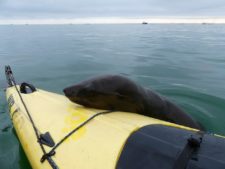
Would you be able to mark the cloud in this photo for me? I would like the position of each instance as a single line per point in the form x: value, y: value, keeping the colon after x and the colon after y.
x: 101, y: 8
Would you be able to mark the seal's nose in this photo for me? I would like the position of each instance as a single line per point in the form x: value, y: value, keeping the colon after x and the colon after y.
x: 72, y: 91
x: 67, y: 91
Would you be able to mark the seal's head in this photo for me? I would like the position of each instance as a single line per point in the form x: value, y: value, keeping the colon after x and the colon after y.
x: 105, y: 92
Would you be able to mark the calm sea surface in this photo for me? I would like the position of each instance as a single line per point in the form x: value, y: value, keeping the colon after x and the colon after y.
x: 186, y: 63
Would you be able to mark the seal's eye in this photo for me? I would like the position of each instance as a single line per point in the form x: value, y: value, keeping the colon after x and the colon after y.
x: 81, y: 93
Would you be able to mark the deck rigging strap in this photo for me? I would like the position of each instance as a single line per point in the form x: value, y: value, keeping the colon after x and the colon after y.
x: 52, y: 151
x: 189, y: 151
x: 11, y: 82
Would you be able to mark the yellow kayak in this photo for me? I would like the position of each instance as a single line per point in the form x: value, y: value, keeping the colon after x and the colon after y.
x: 56, y: 133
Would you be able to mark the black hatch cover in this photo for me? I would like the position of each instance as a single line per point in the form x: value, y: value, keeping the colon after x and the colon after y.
x: 164, y: 147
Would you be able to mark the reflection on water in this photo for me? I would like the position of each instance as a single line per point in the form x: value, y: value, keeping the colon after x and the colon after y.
x: 183, y: 62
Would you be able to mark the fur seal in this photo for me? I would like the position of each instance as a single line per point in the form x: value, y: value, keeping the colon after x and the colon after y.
x: 115, y: 92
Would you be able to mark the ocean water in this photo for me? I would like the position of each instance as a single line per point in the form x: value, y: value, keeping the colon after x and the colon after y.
x: 185, y: 63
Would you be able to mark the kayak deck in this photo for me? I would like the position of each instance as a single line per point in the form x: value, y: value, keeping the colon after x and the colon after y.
x: 98, y: 144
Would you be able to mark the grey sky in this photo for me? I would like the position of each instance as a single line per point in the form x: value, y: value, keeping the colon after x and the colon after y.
x: 105, y: 8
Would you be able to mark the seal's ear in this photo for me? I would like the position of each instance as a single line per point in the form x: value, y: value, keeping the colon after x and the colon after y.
x: 119, y: 96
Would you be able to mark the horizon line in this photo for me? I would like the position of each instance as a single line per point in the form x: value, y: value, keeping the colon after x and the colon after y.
x: 118, y: 20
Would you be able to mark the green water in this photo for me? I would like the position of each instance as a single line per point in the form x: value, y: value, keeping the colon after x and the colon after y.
x: 186, y: 63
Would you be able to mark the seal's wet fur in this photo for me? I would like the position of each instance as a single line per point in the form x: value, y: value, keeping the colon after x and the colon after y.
x: 115, y: 92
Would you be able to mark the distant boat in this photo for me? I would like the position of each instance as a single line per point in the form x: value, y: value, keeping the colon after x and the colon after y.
x: 144, y: 23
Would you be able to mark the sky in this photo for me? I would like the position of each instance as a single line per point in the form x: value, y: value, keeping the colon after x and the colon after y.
x: 12, y: 9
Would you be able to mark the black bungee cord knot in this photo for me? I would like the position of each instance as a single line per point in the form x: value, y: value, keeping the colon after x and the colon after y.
x: 47, y: 155
x: 195, y: 141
